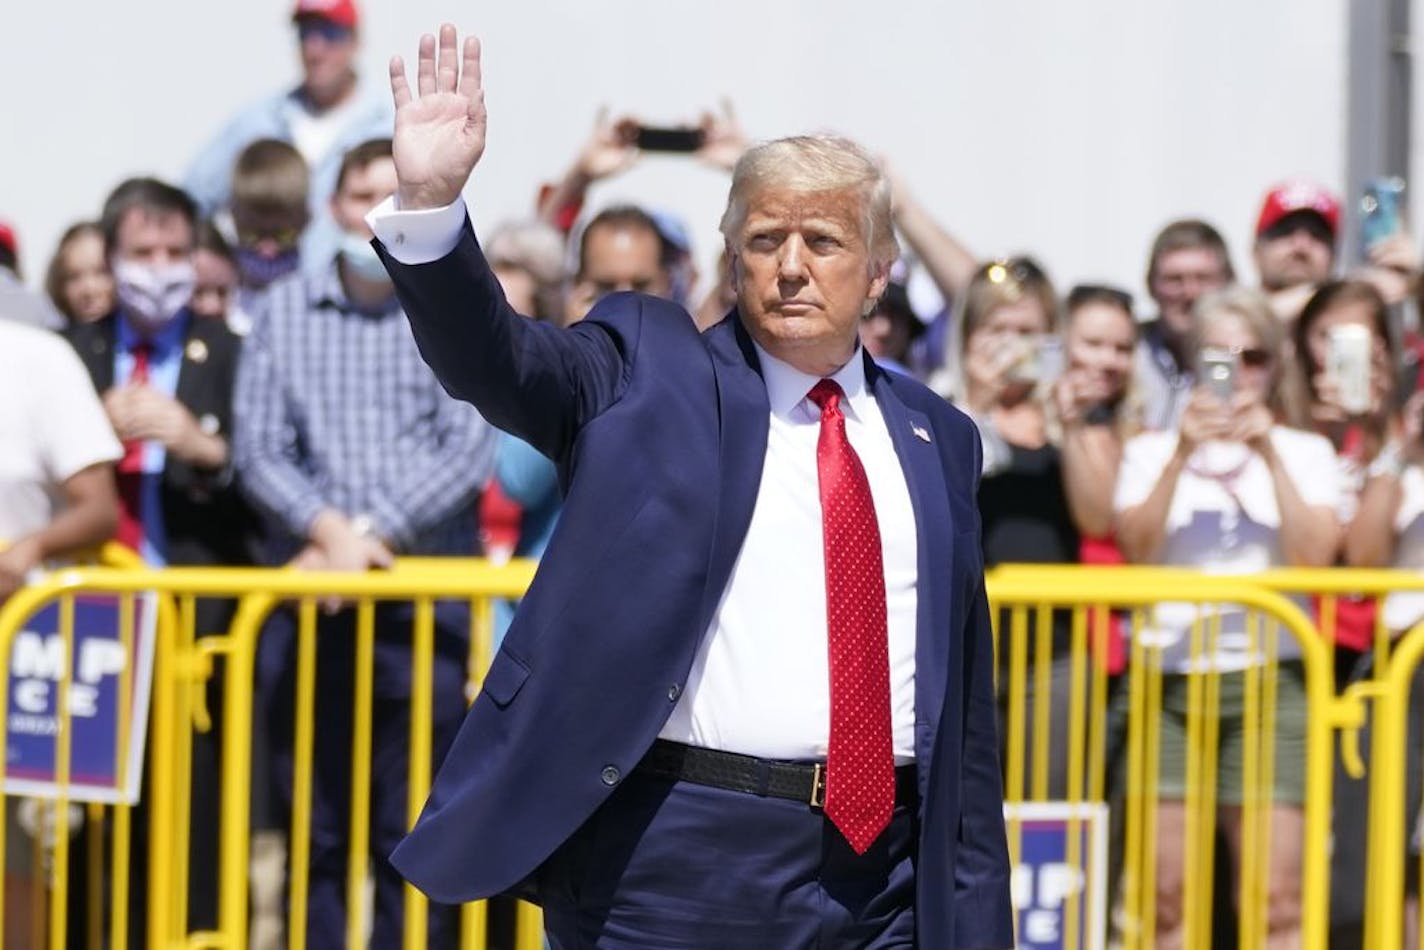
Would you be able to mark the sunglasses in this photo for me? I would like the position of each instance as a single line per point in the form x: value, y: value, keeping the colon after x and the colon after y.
x: 1013, y: 271
x: 325, y: 30
x: 1308, y: 221
x: 1013, y: 277
x: 1252, y: 357
x: 282, y: 237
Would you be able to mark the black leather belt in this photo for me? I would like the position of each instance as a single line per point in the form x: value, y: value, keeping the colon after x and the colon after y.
x: 796, y: 781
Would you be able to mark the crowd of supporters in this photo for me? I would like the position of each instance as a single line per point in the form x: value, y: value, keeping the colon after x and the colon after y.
x: 239, y: 386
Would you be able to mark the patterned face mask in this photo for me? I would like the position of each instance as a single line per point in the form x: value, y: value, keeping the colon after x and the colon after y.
x: 153, y: 295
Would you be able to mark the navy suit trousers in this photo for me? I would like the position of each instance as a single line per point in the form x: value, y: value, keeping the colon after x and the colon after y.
x: 671, y: 865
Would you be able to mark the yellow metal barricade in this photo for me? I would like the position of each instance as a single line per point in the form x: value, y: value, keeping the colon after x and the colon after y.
x: 1392, y: 826
x: 1376, y: 696
x: 1075, y: 733
x: 79, y: 894
x: 183, y: 665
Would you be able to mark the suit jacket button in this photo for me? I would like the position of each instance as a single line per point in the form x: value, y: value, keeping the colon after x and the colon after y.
x: 674, y: 691
x: 611, y: 775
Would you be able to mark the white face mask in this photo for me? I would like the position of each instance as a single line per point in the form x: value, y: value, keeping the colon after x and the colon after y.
x: 152, y: 295
x: 362, y: 258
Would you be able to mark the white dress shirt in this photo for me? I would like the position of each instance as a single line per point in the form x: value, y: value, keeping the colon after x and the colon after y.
x: 760, y: 683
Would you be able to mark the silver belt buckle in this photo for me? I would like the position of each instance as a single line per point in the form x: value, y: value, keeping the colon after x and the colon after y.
x: 818, y: 786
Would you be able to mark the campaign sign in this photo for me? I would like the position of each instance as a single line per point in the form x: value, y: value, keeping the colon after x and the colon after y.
x: 1045, y: 882
x: 97, y: 670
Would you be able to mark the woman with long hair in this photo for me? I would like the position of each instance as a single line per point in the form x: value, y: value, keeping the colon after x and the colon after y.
x: 1232, y: 490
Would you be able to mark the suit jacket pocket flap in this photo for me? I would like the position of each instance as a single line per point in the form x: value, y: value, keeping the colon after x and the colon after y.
x: 506, y: 675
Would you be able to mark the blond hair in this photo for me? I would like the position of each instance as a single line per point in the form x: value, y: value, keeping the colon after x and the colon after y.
x: 270, y: 177
x: 995, y: 284
x: 537, y: 249
x: 814, y: 163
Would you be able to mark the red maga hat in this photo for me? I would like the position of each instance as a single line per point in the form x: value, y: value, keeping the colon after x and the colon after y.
x: 340, y: 12
x: 1299, y: 194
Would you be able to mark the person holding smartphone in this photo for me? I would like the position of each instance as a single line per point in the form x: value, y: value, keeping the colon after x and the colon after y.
x: 1344, y: 388
x: 1001, y: 370
x: 1231, y: 490
x: 1380, y: 452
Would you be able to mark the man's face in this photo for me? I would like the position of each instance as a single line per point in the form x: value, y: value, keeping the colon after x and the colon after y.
x: 157, y: 239
x: 361, y: 190
x: 328, y: 52
x: 617, y: 258
x: 269, y: 232
x: 1298, y: 249
x: 804, y: 275
x: 1179, y: 278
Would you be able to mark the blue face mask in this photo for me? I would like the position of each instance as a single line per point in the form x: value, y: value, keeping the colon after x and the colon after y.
x: 258, y: 270
x: 362, y: 259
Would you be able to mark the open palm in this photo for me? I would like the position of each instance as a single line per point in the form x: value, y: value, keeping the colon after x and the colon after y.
x: 440, y: 133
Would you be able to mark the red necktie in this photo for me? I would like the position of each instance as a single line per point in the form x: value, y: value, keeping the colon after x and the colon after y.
x: 860, y: 763
x: 131, y: 465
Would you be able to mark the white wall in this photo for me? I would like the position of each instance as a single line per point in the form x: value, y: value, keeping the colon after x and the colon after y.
x: 1072, y: 129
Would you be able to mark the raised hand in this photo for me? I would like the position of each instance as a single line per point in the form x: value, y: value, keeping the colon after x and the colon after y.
x: 987, y: 361
x: 1393, y: 266
x: 723, y: 140
x: 1204, y: 419
x: 611, y: 149
x: 1076, y: 392
x: 440, y: 133
x: 1251, y: 423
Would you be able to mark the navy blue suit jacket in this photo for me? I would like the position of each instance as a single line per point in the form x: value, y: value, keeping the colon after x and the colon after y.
x: 659, y: 435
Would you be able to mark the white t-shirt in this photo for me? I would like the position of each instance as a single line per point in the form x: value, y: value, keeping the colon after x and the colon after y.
x: 1406, y: 608
x: 1223, y: 519
x: 314, y: 134
x: 52, y: 426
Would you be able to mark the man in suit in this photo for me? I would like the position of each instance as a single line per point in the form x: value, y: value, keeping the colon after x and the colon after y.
x: 748, y: 700
x: 166, y: 380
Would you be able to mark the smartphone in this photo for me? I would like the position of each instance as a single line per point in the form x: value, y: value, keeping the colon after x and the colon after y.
x: 1381, y: 211
x: 655, y: 139
x: 1347, y: 360
x: 1052, y: 359
x: 1039, y: 360
x: 1218, y: 372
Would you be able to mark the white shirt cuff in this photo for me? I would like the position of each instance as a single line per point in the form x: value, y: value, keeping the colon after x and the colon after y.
x: 417, y: 237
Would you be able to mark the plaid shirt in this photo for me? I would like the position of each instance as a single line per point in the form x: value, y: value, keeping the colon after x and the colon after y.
x: 334, y: 408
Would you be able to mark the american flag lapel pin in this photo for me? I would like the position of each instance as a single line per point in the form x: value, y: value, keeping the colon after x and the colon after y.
x: 921, y: 433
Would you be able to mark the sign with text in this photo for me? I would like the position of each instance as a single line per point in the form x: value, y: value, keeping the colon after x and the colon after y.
x: 106, y: 748
x: 1051, y: 875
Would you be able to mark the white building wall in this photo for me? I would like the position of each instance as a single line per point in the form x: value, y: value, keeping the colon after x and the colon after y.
x: 1073, y: 128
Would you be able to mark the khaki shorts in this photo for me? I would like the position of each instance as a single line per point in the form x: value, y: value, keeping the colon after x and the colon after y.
x: 1289, y: 725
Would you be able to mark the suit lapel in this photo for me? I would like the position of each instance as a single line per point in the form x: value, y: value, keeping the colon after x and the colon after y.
x: 191, y: 358
x: 743, y: 413
x: 97, y: 351
x: 920, y: 460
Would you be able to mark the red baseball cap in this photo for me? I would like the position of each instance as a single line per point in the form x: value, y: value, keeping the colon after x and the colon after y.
x: 340, y: 12
x: 1299, y: 194
x: 7, y: 239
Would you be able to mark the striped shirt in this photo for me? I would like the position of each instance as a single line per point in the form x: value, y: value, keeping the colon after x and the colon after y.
x: 334, y: 408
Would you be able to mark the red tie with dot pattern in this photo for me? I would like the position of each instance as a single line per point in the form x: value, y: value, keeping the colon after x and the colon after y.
x: 860, y: 763
x: 130, y: 468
